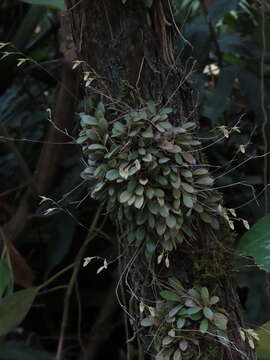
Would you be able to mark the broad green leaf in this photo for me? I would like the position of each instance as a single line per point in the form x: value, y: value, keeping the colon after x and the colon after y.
x: 177, y: 355
x: 161, y: 228
x: 14, y: 308
x: 171, y: 221
x: 139, y: 202
x: 94, y: 147
x: 151, y: 106
x: 205, y: 180
x: 176, y: 284
x: 166, y: 125
x: 204, y: 326
x: 166, y: 111
x: 196, y: 317
x: 119, y: 127
x: 88, y: 119
x: 188, y: 188
x: 168, y: 295
x: 167, y: 340
x: 175, y: 310
x: 220, y: 320
x: 150, y: 193
x: 256, y: 243
x: 205, y: 295
x: 189, y: 158
x: 194, y: 310
x: 5, y: 276
x: 55, y: 4
x: 263, y: 348
x: 214, y: 300
x: 164, y: 160
x: 147, y: 322
x: 125, y: 196
x: 188, y: 201
x: 112, y: 175
x: 200, y: 172
x: 180, y: 323
x: 164, y: 211
x: 154, y: 207
x: 81, y: 139
x: 159, y: 193
x: 178, y: 159
x: 208, y: 313
x: 148, y: 133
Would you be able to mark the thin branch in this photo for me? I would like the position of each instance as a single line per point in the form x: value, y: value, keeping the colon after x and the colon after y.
x: 78, y: 264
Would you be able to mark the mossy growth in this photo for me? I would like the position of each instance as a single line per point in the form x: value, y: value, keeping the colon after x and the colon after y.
x: 149, y: 174
x: 182, y: 318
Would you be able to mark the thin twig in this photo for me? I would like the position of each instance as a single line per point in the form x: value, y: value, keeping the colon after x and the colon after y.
x: 69, y: 291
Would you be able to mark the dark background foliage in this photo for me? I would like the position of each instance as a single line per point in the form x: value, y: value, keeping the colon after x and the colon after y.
x: 225, y: 50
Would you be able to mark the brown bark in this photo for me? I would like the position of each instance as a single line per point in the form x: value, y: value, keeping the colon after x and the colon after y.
x: 133, y: 44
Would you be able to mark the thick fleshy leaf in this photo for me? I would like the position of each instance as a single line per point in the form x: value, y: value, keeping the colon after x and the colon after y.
x: 208, y: 313
x: 175, y: 310
x: 176, y: 284
x: 147, y: 322
x: 256, y: 243
x: 263, y: 348
x: 204, y: 326
x: 220, y: 320
x: 205, y: 295
x: 112, y: 175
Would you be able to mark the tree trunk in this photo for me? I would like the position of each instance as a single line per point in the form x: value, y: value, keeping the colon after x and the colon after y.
x: 129, y: 50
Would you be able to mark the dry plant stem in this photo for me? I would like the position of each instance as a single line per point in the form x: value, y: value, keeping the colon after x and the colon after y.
x: 121, y: 266
x: 78, y: 264
x: 212, y: 32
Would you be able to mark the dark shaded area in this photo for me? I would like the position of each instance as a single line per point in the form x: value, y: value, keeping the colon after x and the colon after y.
x: 42, y: 245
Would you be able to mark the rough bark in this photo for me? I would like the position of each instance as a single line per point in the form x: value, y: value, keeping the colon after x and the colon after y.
x: 129, y: 50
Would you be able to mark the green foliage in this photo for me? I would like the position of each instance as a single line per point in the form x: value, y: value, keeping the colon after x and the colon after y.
x: 147, y: 172
x: 182, y: 318
x: 54, y: 4
x: 224, y: 95
x: 263, y: 349
x: 256, y: 243
x: 14, y: 308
